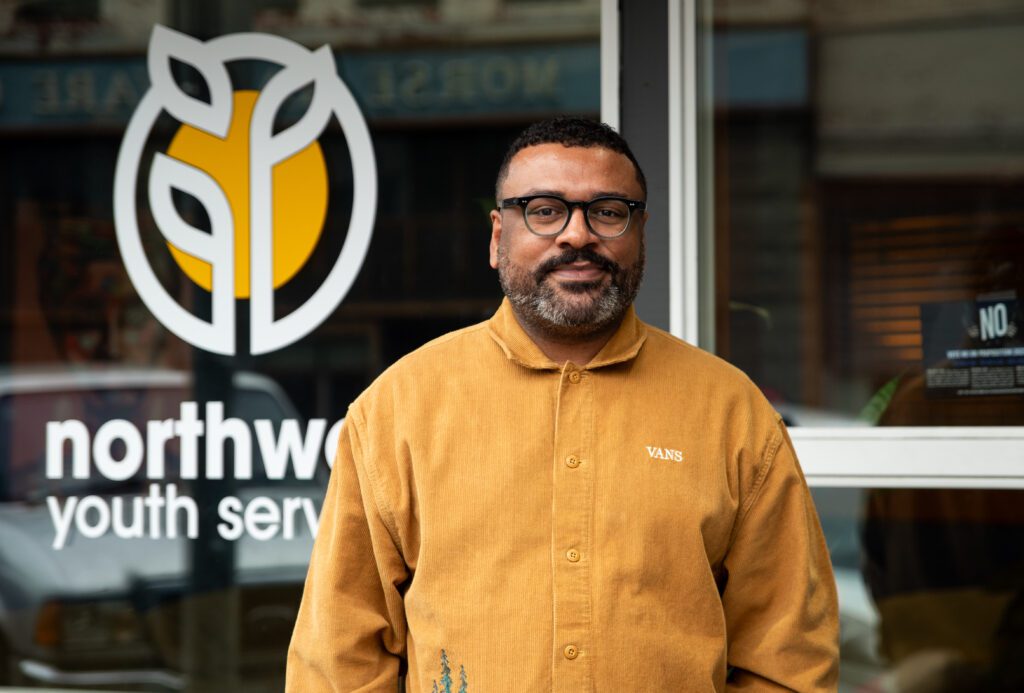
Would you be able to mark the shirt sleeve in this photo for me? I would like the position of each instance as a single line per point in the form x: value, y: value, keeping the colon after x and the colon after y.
x: 350, y: 631
x: 780, y: 597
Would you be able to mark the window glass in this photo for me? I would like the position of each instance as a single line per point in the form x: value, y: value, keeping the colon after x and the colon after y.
x: 866, y: 215
x: 930, y: 587
x: 159, y: 497
x: 863, y: 206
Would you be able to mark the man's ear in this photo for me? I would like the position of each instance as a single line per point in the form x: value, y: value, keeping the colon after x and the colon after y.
x: 495, y: 236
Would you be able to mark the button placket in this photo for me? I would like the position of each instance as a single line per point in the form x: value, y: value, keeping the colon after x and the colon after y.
x: 572, y: 510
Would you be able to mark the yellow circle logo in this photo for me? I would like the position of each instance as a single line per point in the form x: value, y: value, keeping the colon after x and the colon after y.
x: 263, y: 189
x: 299, y: 196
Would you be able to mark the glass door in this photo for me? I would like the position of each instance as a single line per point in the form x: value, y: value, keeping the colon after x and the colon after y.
x: 856, y: 241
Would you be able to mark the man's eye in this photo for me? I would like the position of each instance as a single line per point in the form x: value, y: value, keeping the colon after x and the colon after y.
x: 545, y: 211
x: 612, y: 213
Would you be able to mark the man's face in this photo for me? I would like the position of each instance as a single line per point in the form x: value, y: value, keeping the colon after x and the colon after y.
x: 575, y: 284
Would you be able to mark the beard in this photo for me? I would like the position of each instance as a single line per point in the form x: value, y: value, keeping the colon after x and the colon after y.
x: 571, y: 310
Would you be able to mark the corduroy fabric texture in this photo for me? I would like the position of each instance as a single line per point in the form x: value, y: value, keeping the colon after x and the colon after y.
x: 499, y: 522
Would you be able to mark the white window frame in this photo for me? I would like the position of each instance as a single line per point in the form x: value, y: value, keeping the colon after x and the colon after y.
x: 893, y: 457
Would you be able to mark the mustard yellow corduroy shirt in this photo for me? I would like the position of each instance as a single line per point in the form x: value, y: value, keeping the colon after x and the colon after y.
x: 501, y: 522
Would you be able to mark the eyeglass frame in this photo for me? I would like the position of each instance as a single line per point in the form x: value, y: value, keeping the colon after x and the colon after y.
x: 571, y: 205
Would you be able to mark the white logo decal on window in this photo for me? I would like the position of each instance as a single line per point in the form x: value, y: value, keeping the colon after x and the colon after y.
x: 263, y: 190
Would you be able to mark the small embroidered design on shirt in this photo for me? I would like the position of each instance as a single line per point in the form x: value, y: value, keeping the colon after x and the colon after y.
x: 446, y: 677
x: 665, y: 453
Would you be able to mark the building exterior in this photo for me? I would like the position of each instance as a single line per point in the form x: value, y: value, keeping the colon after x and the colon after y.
x: 216, y: 237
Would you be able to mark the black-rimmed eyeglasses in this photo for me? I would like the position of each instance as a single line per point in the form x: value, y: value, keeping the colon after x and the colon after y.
x: 548, y: 215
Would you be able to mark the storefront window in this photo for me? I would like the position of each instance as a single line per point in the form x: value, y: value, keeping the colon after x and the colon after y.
x: 868, y: 235
x: 867, y: 216
x: 158, y: 499
x: 930, y: 587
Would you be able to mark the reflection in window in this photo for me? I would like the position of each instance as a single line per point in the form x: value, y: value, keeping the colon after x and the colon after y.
x: 931, y: 587
x: 867, y: 213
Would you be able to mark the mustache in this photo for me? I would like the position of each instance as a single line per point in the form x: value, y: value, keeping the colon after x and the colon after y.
x: 572, y: 255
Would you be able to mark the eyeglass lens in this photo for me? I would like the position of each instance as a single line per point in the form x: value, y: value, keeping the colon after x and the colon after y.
x: 549, y: 216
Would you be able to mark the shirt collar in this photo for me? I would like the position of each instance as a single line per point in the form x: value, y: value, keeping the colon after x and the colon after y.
x: 504, y: 329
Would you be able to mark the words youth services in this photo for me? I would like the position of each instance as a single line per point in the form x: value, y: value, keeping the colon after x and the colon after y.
x: 157, y: 514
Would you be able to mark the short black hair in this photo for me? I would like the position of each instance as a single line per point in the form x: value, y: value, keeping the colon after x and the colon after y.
x: 569, y: 132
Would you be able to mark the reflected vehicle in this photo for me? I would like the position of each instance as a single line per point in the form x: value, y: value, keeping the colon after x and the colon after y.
x: 861, y: 666
x: 130, y: 612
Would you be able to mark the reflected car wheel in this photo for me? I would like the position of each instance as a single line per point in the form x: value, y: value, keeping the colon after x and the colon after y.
x: 6, y: 664
x: 10, y: 674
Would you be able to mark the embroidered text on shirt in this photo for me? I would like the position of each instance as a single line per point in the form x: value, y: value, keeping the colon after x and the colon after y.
x: 664, y: 453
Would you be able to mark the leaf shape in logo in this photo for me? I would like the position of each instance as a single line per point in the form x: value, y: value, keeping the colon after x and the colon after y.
x: 213, y: 117
x: 217, y: 247
x: 169, y: 174
x: 317, y: 68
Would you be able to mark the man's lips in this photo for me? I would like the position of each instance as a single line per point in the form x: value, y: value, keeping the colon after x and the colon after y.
x: 576, y: 265
x: 578, y: 272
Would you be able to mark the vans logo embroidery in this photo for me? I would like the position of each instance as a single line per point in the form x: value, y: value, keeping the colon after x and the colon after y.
x: 664, y: 453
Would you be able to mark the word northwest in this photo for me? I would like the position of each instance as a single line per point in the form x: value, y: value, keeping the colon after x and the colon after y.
x: 118, y: 451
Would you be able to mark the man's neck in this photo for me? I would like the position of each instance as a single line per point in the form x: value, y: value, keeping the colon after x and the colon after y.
x: 579, y: 350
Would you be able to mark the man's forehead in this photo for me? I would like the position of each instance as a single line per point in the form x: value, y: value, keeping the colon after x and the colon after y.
x: 571, y: 165
x: 554, y: 151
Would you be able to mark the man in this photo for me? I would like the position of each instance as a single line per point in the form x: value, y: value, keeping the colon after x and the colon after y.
x: 563, y: 498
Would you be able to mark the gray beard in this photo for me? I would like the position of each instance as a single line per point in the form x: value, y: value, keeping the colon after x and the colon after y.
x: 537, y: 303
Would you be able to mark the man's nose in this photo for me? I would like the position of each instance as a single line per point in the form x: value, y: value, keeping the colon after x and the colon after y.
x: 576, y: 234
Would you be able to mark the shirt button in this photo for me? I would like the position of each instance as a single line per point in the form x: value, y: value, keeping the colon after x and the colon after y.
x: 574, y: 377
x: 572, y: 461
x: 573, y: 555
x: 571, y: 652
